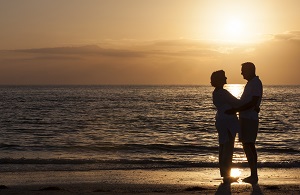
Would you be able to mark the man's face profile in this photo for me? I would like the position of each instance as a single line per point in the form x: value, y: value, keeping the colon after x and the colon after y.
x: 245, y: 72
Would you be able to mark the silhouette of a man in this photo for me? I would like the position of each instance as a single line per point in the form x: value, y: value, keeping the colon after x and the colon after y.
x: 248, y: 117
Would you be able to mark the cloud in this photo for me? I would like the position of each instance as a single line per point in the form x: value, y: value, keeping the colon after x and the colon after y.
x: 290, y: 35
x: 279, y: 58
x: 167, y: 48
x: 83, y: 50
x: 144, y: 63
x: 179, y: 61
x: 171, y: 48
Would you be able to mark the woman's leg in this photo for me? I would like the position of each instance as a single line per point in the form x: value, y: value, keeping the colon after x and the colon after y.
x: 221, y: 160
x: 225, y: 156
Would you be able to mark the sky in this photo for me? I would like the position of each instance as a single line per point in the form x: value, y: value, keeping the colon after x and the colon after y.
x: 142, y: 42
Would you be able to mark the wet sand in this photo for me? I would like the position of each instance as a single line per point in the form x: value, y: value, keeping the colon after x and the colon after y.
x: 163, y: 181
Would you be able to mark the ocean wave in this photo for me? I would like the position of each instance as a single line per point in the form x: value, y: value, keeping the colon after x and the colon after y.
x: 144, y: 148
x: 133, y: 164
x: 181, y: 148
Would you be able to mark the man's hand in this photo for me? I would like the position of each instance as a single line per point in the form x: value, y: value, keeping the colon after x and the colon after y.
x: 230, y: 111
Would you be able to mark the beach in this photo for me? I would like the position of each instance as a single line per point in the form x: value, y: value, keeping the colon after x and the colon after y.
x: 153, y: 181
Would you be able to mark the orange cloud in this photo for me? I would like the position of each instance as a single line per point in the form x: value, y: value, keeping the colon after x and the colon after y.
x: 157, y: 62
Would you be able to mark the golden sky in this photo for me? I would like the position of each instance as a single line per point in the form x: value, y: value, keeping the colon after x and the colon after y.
x: 147, y: 42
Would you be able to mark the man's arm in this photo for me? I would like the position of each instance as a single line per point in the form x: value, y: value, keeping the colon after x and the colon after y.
x: 246, y: 106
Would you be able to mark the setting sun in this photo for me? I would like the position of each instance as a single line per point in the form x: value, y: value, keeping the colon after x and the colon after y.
x: 234, y: 28
x: 234, y: 22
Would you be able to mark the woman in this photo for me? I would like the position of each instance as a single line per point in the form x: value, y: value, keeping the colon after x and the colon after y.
x: 227, y: 125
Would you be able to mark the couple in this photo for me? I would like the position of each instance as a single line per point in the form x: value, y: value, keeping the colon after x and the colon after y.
x: 227, y: 123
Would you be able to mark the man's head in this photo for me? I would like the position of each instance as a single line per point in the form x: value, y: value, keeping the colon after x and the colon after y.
x: 248, y: 70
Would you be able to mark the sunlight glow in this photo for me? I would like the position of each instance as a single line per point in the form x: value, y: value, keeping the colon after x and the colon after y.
x: 234, y: 28
x: 231, y: 23
x: 235, y: 89
x: 235, y: 172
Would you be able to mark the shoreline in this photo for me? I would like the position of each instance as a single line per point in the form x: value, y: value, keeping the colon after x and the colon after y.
x: 155, y: 181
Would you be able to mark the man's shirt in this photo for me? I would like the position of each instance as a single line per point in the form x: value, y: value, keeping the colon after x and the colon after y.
x: 253, y: 88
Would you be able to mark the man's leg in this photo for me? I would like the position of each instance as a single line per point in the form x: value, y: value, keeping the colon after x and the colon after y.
x: 251, y: 154
x: 249, y: 129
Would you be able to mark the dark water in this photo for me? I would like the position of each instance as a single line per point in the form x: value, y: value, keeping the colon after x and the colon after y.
x: 125, y: 127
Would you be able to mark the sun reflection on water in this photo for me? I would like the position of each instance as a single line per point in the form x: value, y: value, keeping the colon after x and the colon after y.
x: 235, y: 89
x: 239, y: 155
x: 235, y: 172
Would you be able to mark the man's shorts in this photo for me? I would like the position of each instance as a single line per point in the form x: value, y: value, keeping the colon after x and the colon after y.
x: 249, y: 129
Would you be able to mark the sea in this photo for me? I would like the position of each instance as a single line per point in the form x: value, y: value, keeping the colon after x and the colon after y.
x: 82, y: 128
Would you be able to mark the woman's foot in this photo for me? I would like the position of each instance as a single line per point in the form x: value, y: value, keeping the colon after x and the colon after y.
x: 251, y: 179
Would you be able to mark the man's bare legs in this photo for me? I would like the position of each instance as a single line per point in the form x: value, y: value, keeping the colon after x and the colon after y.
x: 251, y: 154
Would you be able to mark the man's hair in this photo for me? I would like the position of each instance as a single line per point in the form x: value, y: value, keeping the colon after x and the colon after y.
x: 249, y: 66
x: 215, y: 77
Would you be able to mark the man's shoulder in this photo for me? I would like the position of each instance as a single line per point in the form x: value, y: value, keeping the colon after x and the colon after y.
x: 255, y: 82
x: 257, y: 79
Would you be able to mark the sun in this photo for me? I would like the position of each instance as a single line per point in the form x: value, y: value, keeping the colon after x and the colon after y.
x: 232, y: 22
x: 234, y: 29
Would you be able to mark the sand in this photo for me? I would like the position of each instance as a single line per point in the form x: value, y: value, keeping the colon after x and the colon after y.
x: 162, y: 181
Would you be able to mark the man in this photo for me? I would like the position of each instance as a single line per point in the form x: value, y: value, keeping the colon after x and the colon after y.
x: 248, y: 116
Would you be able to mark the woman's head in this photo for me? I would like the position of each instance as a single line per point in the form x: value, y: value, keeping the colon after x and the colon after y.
x: 218, y: 78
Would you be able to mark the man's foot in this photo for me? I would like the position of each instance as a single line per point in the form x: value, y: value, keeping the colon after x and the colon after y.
x: 251, y: 179
x: 228, y: 180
